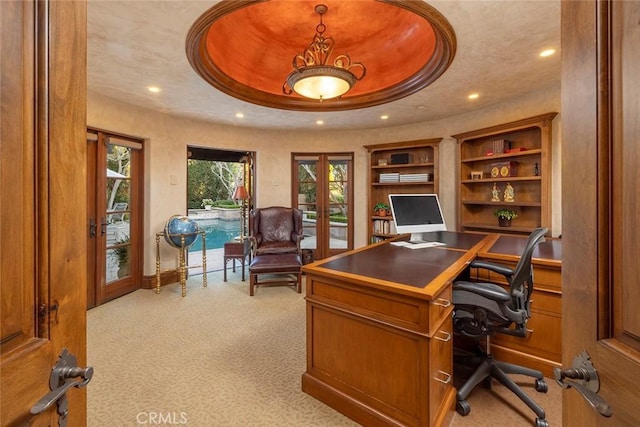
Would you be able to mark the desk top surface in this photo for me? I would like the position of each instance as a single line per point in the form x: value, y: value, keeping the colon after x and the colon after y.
x: 550, y: 250
x: 411, y: 267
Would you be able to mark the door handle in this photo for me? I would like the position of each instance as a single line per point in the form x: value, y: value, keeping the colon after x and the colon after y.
x: 103, y: 226
x: 60, y: 381
x: 587, y: 384
x: 93, y: 228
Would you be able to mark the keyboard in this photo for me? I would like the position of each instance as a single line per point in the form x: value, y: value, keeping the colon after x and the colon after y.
x: 418, y: 245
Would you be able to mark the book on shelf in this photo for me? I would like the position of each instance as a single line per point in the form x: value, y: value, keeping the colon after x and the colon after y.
x: 389, y: 177
x: 415, y: 177
x: 500, y: 146
x: 384, y: 226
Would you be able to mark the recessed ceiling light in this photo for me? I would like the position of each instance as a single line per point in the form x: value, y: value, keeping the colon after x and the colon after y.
x: 319, y: 122
x: 240, y: 115
x: 547, y: 52
x: 154, y: 89
x: 384, y: 117
x: 421, y: 107
x: 473, y: 96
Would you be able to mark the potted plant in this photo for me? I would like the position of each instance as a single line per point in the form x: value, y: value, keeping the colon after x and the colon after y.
x: 505, y: 215
x: 207, y: 203
x: 381, y: 209
x: 122, y: 254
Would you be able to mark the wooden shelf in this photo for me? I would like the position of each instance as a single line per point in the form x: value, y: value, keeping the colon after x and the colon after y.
x: 509, y: 179
x: 385, y: 184
x: 500, y: 204
x: 402, y: 166
x: 497, y: 157
x: 531, y: 168
x: 496, y: 227
x: 423, y: 158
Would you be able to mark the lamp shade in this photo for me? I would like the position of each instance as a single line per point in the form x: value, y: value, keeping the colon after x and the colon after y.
x: 240, y: 193
x: 321, y: 82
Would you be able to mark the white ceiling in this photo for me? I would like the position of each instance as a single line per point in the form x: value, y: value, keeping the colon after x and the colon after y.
x: 135, y: 44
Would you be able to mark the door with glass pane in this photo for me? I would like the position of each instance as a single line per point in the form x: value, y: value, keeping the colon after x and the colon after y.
x: 114, y: 215
x: 323, y: 190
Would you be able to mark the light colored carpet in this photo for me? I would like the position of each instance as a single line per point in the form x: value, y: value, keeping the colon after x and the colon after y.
x: 218, y: 357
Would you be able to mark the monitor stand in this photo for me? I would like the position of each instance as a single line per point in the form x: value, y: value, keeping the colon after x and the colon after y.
x: 416, y: 238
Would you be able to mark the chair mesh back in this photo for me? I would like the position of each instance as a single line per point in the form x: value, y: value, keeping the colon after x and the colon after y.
x: 521, y: 285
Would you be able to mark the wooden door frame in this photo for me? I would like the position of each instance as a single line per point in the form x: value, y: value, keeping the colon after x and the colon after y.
x: 96, y: 267
x: 322, y: 193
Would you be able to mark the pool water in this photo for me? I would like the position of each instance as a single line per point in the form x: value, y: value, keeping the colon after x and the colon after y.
x: 218, y: 232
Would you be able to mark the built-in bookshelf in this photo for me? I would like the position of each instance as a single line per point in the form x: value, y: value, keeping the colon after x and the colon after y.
x: 506, y: 166
x: 399, y: 167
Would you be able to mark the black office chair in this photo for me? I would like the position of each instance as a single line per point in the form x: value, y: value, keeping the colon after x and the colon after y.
x: 482, y: 309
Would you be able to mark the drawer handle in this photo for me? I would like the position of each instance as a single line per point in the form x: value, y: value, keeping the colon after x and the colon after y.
x: 447, y: 379
x: 447, y: 336
x: 442, y: 302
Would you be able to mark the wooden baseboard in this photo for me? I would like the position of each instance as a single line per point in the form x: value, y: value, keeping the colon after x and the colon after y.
x: 345, y: 404
x: 166, y: 278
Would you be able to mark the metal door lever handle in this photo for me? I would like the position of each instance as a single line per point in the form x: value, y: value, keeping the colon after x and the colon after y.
x: 54, y: 395
x: 60, y: 381
x: 588, y: 384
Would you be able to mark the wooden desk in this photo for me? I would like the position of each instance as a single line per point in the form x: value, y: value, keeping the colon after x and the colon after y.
x: 379, y: 331
x: 238, y: 250
x: 542, y: 348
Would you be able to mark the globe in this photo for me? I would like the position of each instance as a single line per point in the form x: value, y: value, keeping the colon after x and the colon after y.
x: 178, y: 225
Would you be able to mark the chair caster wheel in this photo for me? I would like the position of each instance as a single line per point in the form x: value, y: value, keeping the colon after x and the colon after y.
x: 541, y: 422
x: 542, y: 386
x: 463, y: 408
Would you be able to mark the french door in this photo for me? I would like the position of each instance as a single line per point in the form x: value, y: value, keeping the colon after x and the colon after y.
x: 323, y: 190
x: 114, y: 207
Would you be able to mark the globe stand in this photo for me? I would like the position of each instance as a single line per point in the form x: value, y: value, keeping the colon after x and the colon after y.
x: 182, y: 257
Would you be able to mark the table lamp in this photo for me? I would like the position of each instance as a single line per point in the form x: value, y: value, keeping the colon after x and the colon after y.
x: 240, y: 193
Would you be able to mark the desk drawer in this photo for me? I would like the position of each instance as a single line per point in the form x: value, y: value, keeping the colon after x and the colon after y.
x: 440, y: 306
x: 419, y: 315
x: 440, y: 368
x: 396, y: 310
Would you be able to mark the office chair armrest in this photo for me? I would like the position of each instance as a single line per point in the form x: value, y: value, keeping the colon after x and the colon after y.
x: 487, y: 290
x: 498, y: 268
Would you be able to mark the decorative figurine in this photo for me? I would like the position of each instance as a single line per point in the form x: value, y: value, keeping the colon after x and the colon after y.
x: 509, y: 193
x: 495, y: 193
x: 536, y: 169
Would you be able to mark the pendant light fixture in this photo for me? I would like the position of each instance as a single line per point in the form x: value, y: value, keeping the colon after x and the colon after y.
x: 312, y: 77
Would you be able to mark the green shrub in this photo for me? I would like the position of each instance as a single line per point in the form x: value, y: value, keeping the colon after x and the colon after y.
x: 228, y: 204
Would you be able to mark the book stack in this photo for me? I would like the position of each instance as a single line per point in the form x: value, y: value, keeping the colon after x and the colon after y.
x: 415, y: 177
x: 381, y: 226
x: 389, y: 177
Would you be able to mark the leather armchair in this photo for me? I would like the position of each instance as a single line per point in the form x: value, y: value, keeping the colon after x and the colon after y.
x: 276, y: 230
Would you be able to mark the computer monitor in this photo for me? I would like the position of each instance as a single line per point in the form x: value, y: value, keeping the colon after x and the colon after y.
x: 416, y: 214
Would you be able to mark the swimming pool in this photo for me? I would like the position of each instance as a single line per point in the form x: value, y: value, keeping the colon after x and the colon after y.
x: 218, y: 232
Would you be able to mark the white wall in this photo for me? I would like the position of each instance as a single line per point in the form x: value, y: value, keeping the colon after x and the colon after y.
x: 168, y: 136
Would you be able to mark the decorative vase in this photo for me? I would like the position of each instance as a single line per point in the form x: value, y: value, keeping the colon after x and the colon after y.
x: 504, y: 222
